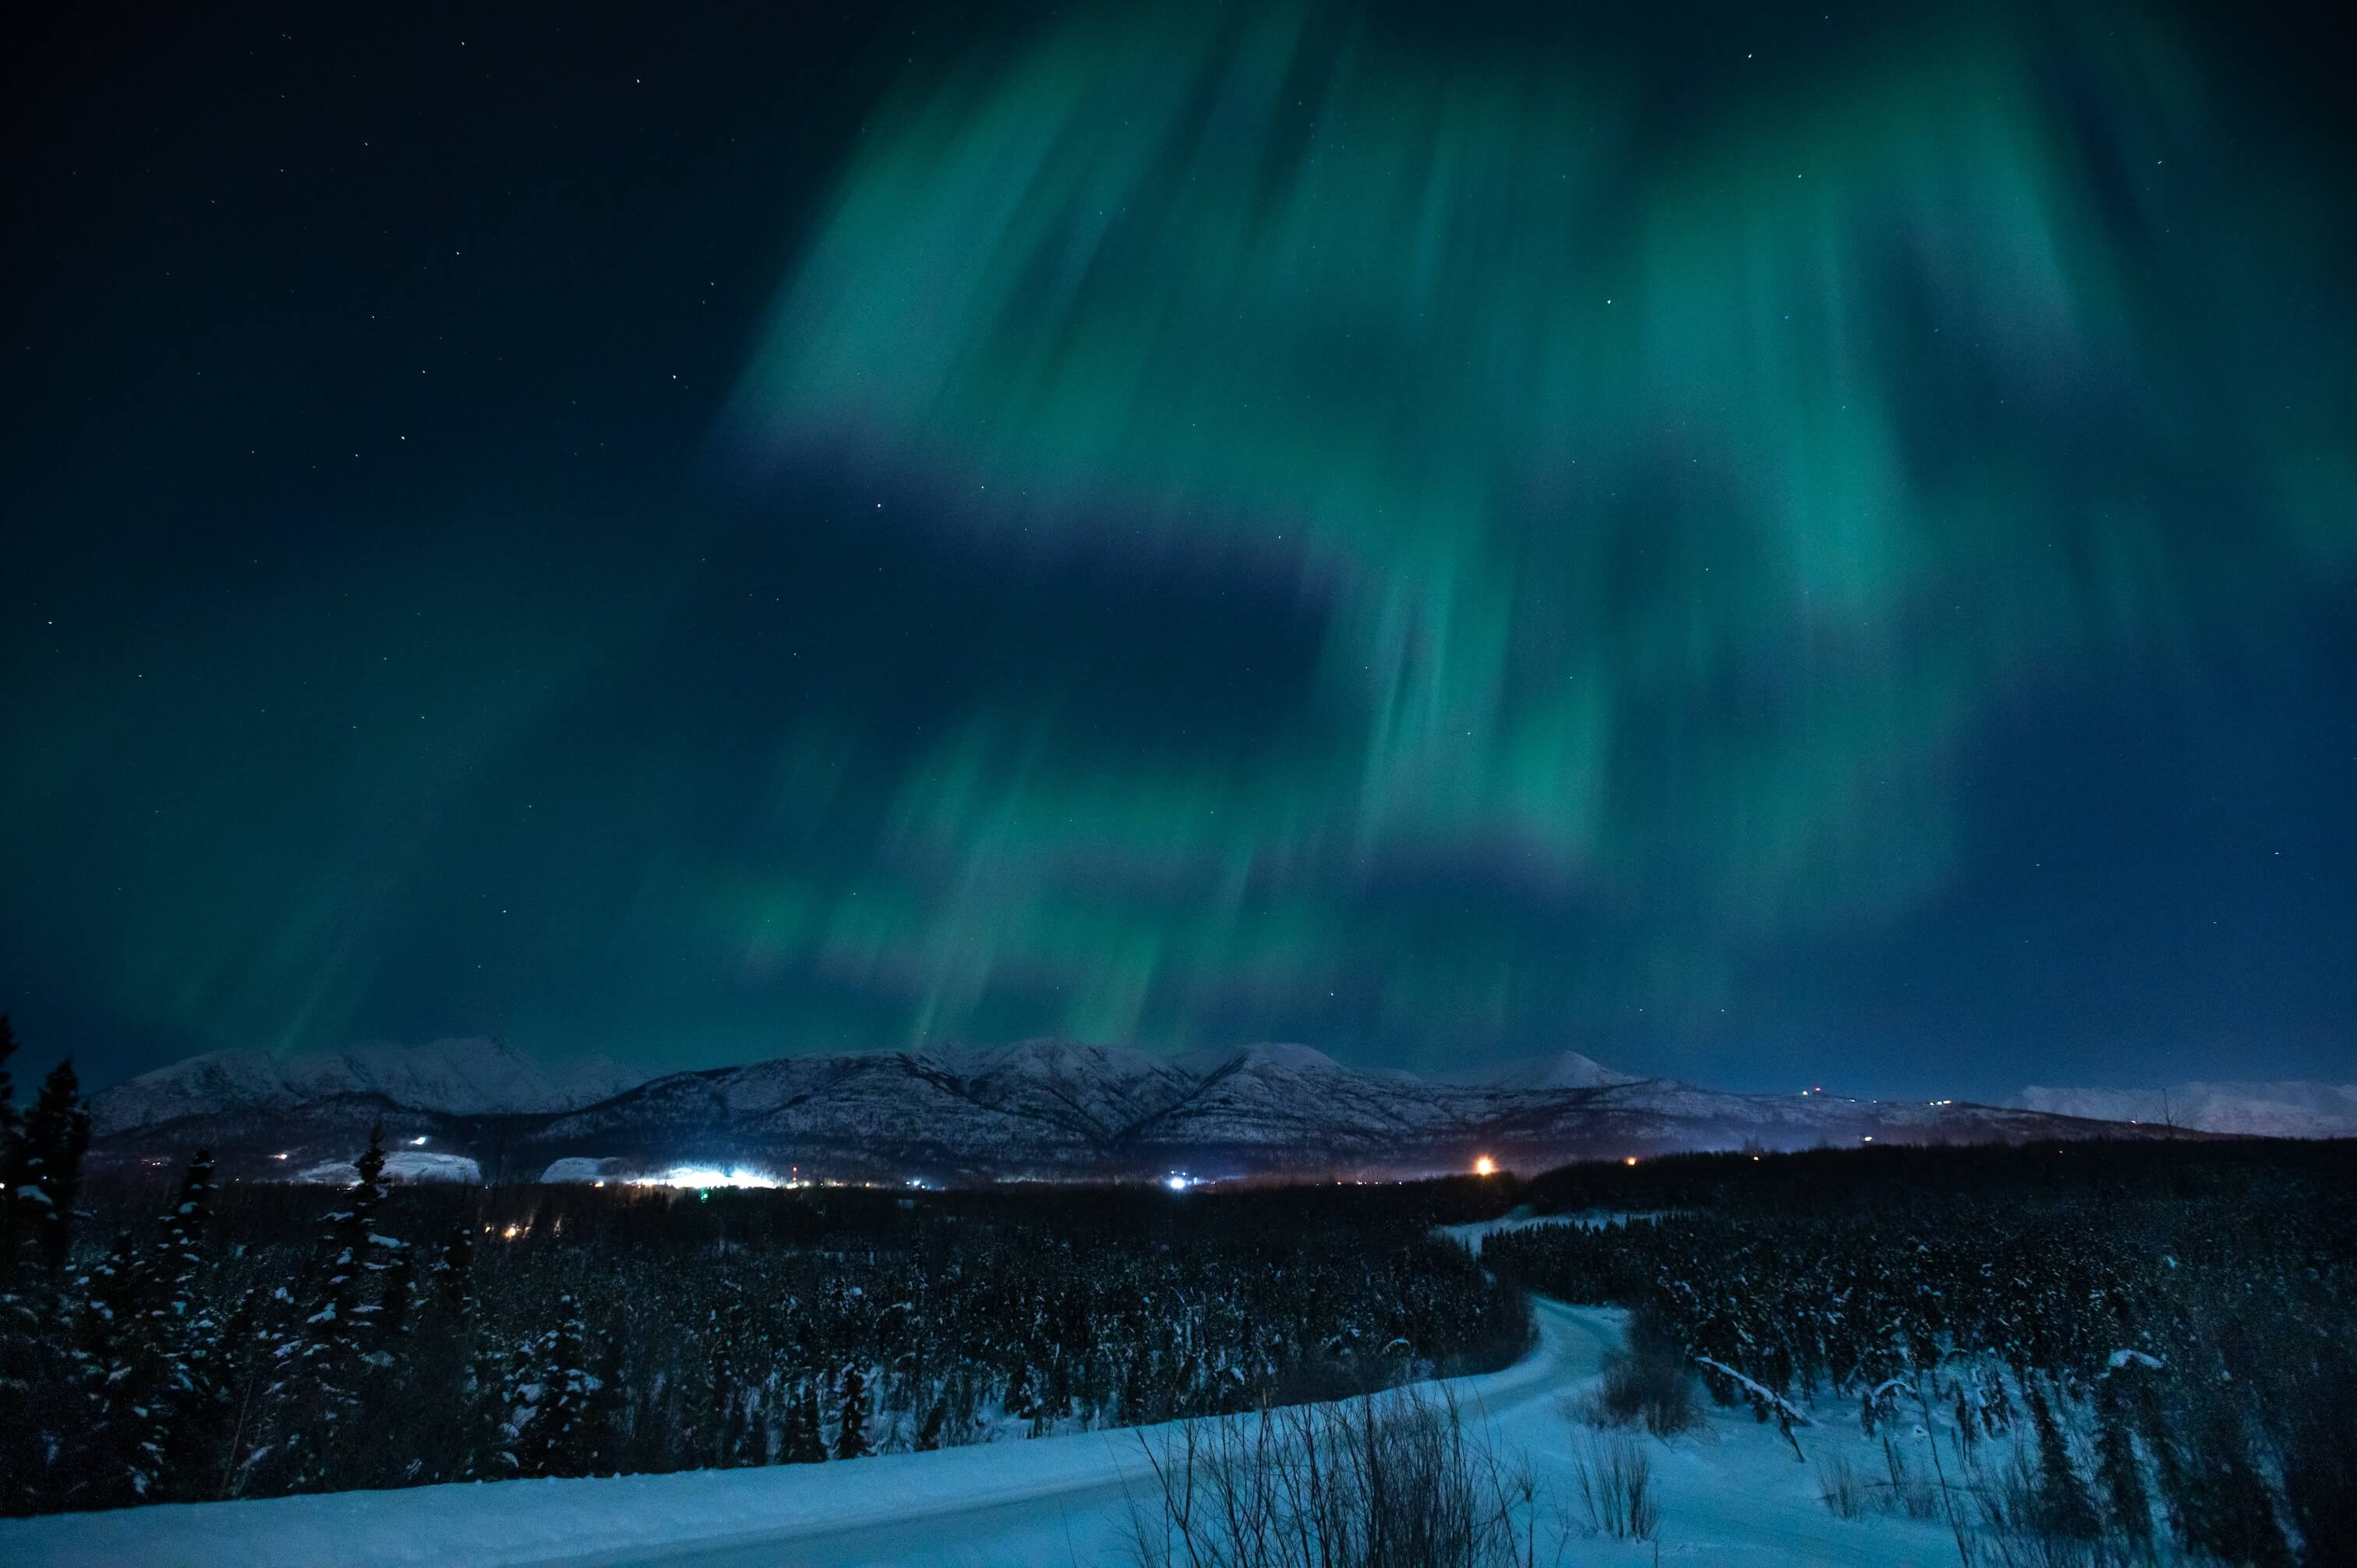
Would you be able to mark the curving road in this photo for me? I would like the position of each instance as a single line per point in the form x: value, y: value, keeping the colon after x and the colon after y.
x: 1067, y: 1499
x: 1002, y: 1505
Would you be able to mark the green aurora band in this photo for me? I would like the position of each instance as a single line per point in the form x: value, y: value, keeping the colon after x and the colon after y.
x: 1676, y: 513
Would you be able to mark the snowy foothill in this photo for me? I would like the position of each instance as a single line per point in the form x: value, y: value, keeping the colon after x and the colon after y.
x: 1729, y: 1492
x: 400, y: 1165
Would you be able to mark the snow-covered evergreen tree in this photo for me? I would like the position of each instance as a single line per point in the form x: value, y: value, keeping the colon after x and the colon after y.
x: 322, y: 1366
x: 558, y: 1439
x: 851, y: 1429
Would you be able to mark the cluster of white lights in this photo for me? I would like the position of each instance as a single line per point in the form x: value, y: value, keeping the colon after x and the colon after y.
x: 703, y: 1176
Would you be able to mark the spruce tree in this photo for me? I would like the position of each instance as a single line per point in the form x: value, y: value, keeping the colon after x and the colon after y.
x: 168, y: 1345
x: 558, y: 1442
x: 608, y: 1409
x: 100, y: 1455
x: 521, y: 1389
x: 237, y: 1404
x: 851, y: 1435
x: 317, y: 1396
x: 45, y: 1177
x: 452, y: 1280
x: 808, y: 1446
x: 489, y: 1399
x: 2061, y: 1497
x: 12, y: 1121
x: 929, y: 1434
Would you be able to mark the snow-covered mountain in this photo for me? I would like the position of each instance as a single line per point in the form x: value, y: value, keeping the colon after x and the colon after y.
x: 1040, y: 1108
x: 2258, y: 1110
x: 450, y: 1078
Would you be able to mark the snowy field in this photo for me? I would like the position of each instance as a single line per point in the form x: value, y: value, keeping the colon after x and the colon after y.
x: 1730, y: 1493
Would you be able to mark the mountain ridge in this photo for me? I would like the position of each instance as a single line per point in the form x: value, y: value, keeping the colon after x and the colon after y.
x: 1047, y: 1108
x: 460, y: 1076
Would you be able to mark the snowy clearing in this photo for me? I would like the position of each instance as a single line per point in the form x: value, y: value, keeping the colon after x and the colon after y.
x: 1731, y: 1493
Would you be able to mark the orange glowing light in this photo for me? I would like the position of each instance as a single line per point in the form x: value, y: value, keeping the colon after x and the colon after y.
x: 1629, y: 1161
x: 1485, y: 1166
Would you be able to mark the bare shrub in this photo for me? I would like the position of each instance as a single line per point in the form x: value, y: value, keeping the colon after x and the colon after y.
x: 1649, y: 1383
x: 1838, y: 1485
x: 1388, y: 1481
x: 1615, y: 1479
x: 1911, y: 1492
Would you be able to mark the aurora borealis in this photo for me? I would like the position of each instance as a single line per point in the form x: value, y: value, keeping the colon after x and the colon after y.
x: 1757, y: 543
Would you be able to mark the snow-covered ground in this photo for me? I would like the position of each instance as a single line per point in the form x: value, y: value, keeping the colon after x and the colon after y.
x: 1731, y: 1493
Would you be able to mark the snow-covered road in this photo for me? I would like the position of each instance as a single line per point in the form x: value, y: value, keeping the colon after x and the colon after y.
x: 1050, y: 1500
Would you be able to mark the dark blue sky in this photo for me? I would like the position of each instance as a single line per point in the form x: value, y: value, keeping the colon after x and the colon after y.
x: 1763, y: 544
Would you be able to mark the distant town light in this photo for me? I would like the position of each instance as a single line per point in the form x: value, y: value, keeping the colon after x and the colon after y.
x: 509, y: 1234
x: 706, y: 1177
x: 1629, y: 1161
x: 1176, y: 1183
x: 1485, y: 1166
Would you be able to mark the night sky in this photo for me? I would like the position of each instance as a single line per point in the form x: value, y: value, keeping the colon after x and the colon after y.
x: 1765, y: 544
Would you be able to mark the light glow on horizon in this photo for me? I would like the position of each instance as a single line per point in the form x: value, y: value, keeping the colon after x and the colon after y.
x: 704, y: 1177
